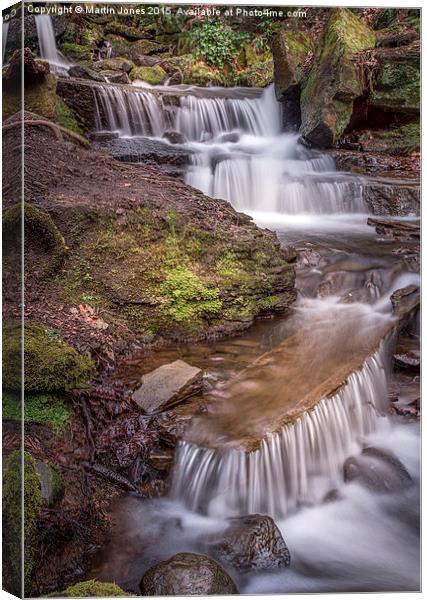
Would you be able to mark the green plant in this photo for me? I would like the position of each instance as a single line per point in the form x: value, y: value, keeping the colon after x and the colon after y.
x: 93, y: 588
x: 216, y: 42
x: 45, y: 409
x: 15, y: 522
x: 50, y: 363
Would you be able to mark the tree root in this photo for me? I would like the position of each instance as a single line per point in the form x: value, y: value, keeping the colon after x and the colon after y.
x: 58, y: 130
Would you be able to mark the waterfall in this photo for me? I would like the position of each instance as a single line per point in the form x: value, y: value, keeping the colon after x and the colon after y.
x: 5, y: 31
x: 238, y: 151
x: 285, y: 471
x: 201, y: 119
x: 129, y: 112
x: 47, y: 45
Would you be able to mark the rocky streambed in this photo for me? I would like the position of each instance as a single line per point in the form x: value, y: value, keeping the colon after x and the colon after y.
x: 222, y: 313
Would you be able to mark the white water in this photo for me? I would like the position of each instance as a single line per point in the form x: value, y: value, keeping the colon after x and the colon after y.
x: 239, y: 151
x: 48, y: 47
x: 362, y: 541
x: 288, y: 469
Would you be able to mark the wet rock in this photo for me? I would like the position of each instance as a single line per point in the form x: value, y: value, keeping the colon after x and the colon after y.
x: 115, y: 76
x: 392, y: 197
x: 232, y: 137
x: 168, y: 385
x: 147, y: 151
x: 175, y: 137
x: 104, y: 136
x: 114, y: 64
x: 252, y: 542
x: 332, y: 496
x: 187, y: 574
x: 378, y: 470
x: 398, y: 230
x: 79, y: 96
x: 407, y: 355
x: 333, y: 84
x: 405, y: 300
x: 82, y: 72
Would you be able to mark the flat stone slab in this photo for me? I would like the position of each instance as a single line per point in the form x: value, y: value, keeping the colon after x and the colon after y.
x: 168, y: 385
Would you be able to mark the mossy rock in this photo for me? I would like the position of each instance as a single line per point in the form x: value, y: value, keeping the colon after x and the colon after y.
x: 65, y: 116
x: 45, y: 246
x: 39, y: 97
x: 396, y: 140
x: 152, y: 75
x: 258, y: 74
x: 93, y: 588
x: 126, y: 31
x: 199, y: 73
x: 397, y: 86
x: 49, y: 410
x: 52, y: 487
x: 166, y: 275
x: 114, y: 64
x: 143, y: 47
x: 77, y: 53
x: 334, y: 81
x: 12, y: 515
x: 291, y: 49
x: 120, y: 46
x: 50, y: 363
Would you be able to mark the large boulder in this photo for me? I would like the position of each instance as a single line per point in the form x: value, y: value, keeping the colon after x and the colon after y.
x: 187, y: 574
x: 82, y: 72
x: 334, y: 81
x: 392, y: 196
x: 377, y: 470
x: 167, y: 385
x: 251, y: 542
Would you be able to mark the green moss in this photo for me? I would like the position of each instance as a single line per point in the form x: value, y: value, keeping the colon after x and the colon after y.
x: 40, y: 229
x: 333, y: 84
x: 76, y: 52
x: 13, y: 526
x: 398, y: 84
x: 50, y: 363
x: 65, y: 116
x: 121, y: 46
x: 93, y: 588
x: 46, y: 409
x: 152, y: 75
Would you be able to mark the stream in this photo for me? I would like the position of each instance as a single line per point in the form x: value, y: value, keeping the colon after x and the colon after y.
x: 267, y: 444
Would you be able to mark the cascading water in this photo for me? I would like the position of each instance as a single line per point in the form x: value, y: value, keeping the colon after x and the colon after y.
x: 285, y: 471
x: 131, y: 113
x: 235, y: 142
x: 359, y: 542
x: 48, y: 47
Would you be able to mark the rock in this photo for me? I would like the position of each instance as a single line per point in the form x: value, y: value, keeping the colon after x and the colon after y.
x: 334, y: 82
x: 174, y: 137
x: 76, y: 52
x: 378, y: 470
x: 114, y: 64
x: 332, y: 496
x: 52, y: 488
x: 104, y: 136
x: 82, y: 72
x: 152, y: 75
x: 232, y: 138
x: 167, y: 385
x: 397, y: 83
x: 80, y: 97
x: 146, y: 150
x: 145, y: 60
x: 409, y: 360
x: 92, y: 589
x: 406, y: 231
x: 146, y: 47
x: 116, y: 77
x: 405, y: 300
x: 291, y: 53
x: 40, y: 86
x: 392, y: 196
x: 187, y: 574
x: 252, y: 542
